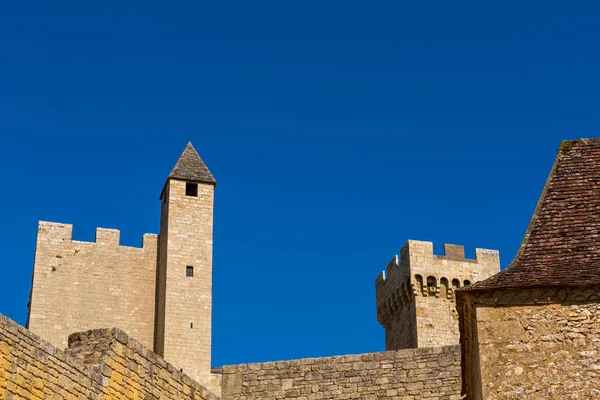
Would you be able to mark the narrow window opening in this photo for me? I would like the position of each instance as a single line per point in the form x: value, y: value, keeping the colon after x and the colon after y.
x: 191, y: 189
x: 191, y: 325
x: 189, y: 271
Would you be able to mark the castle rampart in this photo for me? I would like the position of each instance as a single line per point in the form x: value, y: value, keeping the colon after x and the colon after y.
x: 99, y: 364
x: 85, y: 285
x: 405, y: 374
x: 415, y: 295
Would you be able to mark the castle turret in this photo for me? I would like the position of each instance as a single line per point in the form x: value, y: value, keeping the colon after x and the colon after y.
x: 415, y: 295
x: 183, y: 315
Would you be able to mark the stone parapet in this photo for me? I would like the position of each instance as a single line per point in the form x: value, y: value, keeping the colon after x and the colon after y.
x: 415, y: 294
x: 86, y: 285
x: 428, y: 373
x: 99, y: 364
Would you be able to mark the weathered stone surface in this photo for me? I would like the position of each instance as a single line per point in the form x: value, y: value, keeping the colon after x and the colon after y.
x: 546, y: 351
x: 403, y: 374
x: 415, y: 297
x: 185, y: 303
x: 79, y: 285
x: 534, y: 344
x: 145, y: 291
x: 100, y: 364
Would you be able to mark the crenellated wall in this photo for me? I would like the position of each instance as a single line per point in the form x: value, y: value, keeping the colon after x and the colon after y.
x: 415, y: 295
x: 85, y: 285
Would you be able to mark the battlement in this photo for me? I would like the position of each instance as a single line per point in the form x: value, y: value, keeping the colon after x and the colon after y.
x: 56, y: 231
x: 119, y: 280
x: 452, y: 252
x: 420, y: 285
x: 418, y: 257
x: 164, y: 302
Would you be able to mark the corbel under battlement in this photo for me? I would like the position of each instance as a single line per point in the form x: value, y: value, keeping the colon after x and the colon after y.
x: 416, y: 257
x: 50, y: 231
x: 419, y: 272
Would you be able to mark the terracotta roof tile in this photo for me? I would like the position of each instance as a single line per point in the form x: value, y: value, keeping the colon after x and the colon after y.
x: 562, y: 244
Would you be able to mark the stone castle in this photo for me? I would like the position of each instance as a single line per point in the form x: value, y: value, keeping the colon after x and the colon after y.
x: 109, y: 321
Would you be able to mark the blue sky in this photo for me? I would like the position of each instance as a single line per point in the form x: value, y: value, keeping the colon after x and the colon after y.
x: 336, y: 131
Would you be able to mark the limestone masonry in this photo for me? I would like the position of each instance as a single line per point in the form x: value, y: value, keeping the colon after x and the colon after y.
x: 415, y: 298
x: 113, y: 322
x: 161, y: 294
x: 100, y: 364
x: 427, y: 373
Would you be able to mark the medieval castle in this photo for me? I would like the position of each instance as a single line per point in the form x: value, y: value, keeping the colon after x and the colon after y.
x: 110, y: 322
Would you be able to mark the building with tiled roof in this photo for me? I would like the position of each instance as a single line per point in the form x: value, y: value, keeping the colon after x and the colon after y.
x: 533, y: 330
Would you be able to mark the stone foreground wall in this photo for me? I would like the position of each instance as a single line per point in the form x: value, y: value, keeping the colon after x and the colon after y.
x: 32, y: 369
x: 81, y: 285
x: 425, y: 373
x: 547, y: 351
x: 100, y: 364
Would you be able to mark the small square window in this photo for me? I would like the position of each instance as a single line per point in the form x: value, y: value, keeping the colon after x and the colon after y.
x: 189, y: 272
x: 191, y: 189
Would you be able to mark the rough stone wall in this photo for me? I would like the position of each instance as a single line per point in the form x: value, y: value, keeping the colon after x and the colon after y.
x: 429, y: 373
x: 188, y: 300
x: 396, y: 308
x: 79, y: 285
x: 130, y: 370
x: 469, y: 343
x: 415, y: 298
x: 99, y: 364
x: 550, y: 351
x: 31, y: 368
x: 548, y: 347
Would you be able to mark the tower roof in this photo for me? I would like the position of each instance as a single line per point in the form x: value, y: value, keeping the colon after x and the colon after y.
x: 190, y: 167
x: 562, y: 244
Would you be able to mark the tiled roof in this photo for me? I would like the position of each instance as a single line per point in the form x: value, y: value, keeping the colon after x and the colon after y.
x: 190, y: 167
x: 562, y: 244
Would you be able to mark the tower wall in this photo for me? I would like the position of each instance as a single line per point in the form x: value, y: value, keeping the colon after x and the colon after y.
x: 86, y: 285
x: 184, y: 322
x: 415, y: 298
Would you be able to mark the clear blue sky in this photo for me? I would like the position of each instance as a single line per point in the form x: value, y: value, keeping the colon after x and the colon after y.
x: 336, y: 131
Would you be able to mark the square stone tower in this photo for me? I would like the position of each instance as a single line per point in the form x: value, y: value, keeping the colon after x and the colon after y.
x: 415, y: 297
x: 184, y: 287
x: 160, y: 294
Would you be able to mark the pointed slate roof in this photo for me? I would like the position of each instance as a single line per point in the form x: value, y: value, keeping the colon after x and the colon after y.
x: 190, y: 167
x: 562, y: 244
